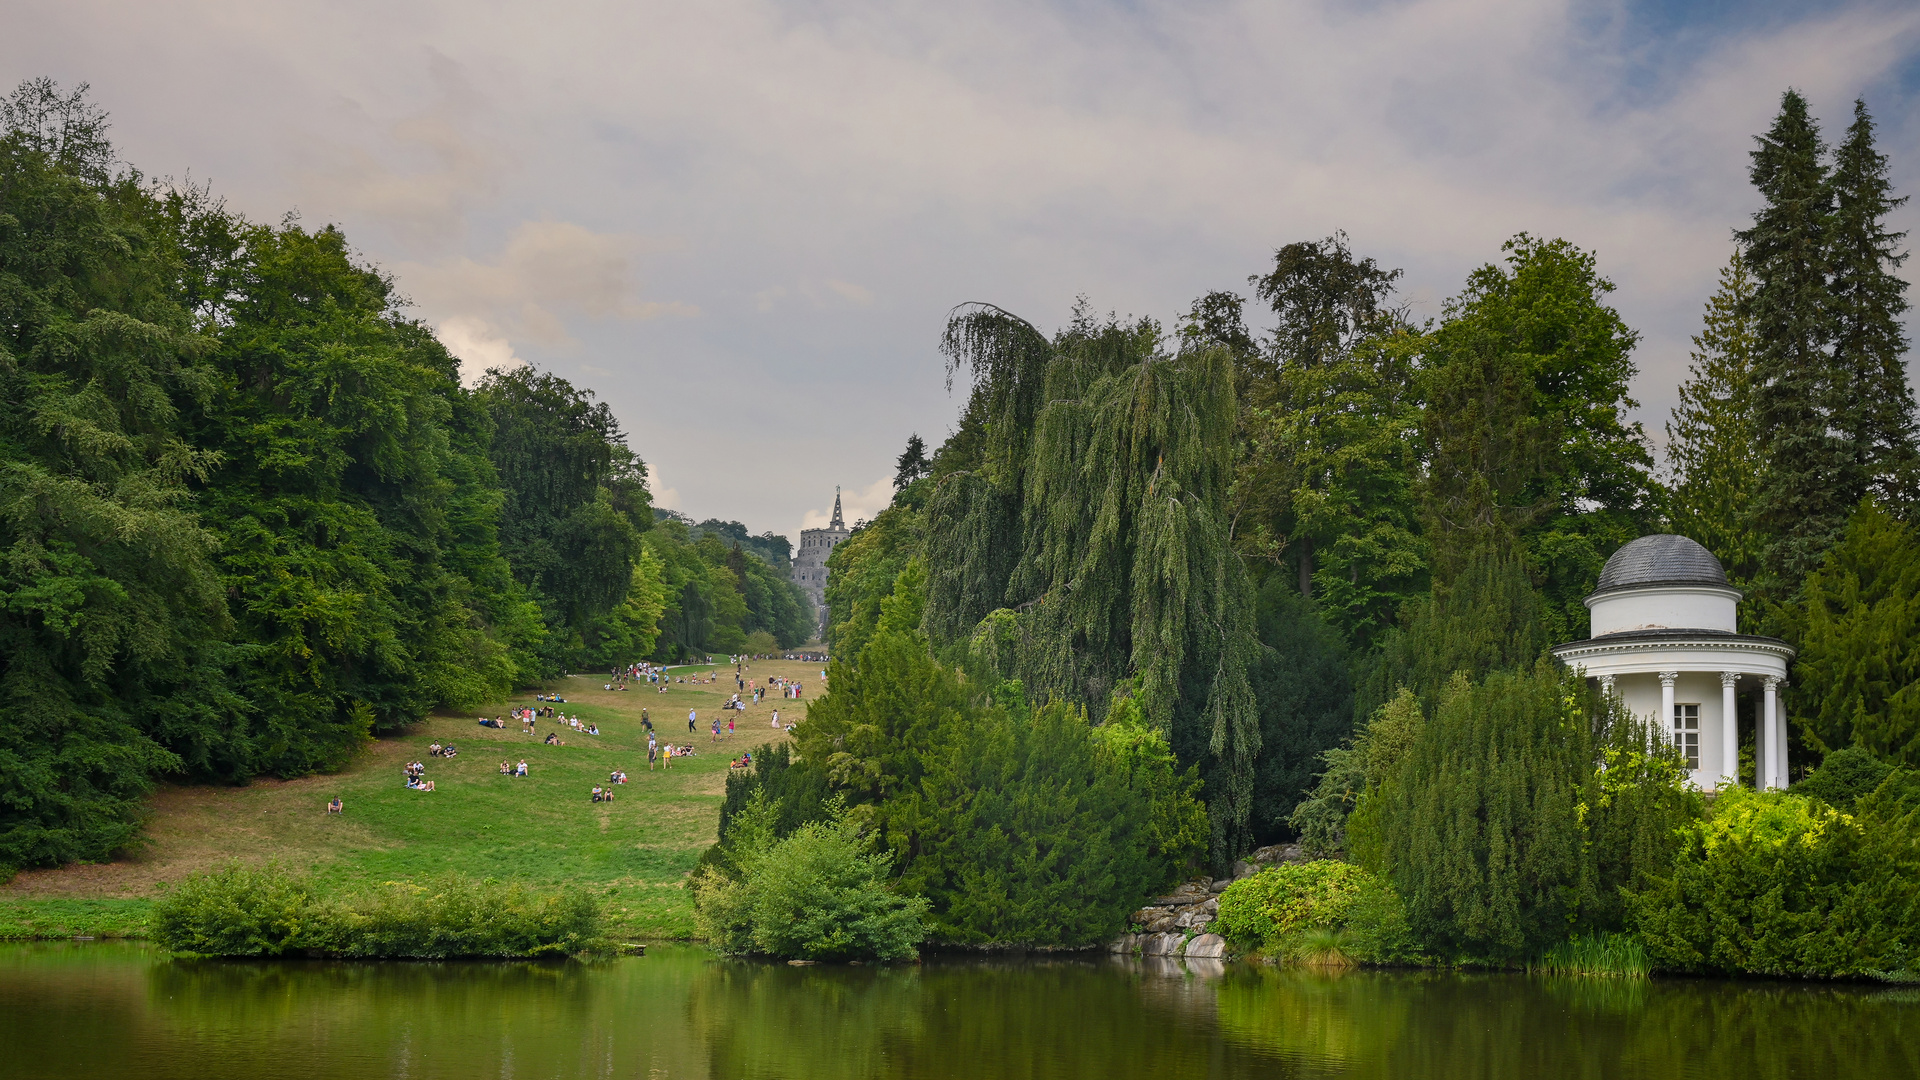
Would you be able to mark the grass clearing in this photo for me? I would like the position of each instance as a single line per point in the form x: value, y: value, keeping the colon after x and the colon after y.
x: 542, y: 829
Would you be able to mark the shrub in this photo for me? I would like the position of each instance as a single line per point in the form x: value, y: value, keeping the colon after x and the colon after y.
x: 1317, y: 913
x: 1280, y: 901
x: 244, y: 911
x: 1844, y: 778
x: 454, y: 917
x: 814, y: 895
x: 1777, y: 884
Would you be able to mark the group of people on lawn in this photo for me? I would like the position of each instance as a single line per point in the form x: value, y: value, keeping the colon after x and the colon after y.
x: 657, y: 754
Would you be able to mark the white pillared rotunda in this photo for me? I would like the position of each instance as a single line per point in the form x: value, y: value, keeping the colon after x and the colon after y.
x: 1665, y: 639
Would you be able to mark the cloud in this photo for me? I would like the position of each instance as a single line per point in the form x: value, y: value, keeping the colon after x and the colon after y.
x: 664, y: 497
x: 478, y: 348
x: 547, y: 272
x: 862, y: 505
x: 837, y: 175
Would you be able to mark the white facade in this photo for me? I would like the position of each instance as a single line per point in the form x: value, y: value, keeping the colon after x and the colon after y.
x: 1664, y: 639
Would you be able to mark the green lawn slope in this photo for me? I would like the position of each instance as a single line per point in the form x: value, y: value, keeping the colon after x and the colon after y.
x: 636, y: 851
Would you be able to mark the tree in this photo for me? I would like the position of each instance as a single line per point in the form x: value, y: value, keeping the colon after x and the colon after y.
x: 112, y: 617
x: 1519, y: 813
x: 1811, y: 481
x: 913, y: 463
x: 1525, y: 424
x: 1713, y: 440
x: 1329, y: 412
x: 1858, y: 631
x: 1873, y: 403
x: 576, y: 499
x: 1096, y: 516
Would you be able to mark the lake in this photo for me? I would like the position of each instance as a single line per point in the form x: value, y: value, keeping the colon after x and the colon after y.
x: 125, y: 1011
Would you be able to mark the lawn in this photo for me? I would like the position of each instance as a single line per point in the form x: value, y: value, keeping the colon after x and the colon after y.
x: 636, y: 850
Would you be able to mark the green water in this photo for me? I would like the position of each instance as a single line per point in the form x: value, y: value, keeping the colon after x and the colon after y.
x: 79, y: 1010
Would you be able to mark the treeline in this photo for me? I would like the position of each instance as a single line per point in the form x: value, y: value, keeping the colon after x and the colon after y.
x: 1322, y: 563
x: 250, y: 517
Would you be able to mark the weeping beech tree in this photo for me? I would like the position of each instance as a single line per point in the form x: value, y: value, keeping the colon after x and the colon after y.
x: 1076, y: 541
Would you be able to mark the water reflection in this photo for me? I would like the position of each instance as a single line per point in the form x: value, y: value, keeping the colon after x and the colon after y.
x: 121, y: 1010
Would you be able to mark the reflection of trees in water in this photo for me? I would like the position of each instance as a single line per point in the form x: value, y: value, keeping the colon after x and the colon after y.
x: 1439, y: 1026
x: 1079, y: 1017
x: 108, y: 1010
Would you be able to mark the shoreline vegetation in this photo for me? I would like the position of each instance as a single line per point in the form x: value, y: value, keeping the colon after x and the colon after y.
x: 1165, y: 596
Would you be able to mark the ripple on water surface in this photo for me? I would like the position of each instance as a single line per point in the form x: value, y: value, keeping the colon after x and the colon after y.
x: 116, y: 1010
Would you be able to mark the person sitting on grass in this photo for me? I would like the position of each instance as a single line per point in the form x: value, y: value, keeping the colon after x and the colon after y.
x: 593, y: 729
x: 523, y: 767
x: 433, y: 749
x: 336, y: 806
x: 553, y: 738
x: 449, y: 751
x: 596, y: 793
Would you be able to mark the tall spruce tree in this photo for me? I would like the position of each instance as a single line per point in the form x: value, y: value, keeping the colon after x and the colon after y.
x: 1873, y: 405
x: 1713, y: 455
x: 1811, y: 481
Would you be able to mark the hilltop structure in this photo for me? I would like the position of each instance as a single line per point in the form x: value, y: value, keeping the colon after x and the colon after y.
x: 810, y: 561
x: 1664, y: 638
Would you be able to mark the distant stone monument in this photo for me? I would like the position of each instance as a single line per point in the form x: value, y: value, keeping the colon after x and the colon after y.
x: 810, y: 561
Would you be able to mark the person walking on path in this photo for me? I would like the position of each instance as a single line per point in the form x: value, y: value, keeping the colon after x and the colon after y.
x: 653, y: 753
x: 691, y: 717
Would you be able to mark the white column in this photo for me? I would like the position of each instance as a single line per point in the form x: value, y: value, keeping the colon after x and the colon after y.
x: 1606, y: 687
x: 1780, y: 736
x: 1729, y: 729
x: 1770, y: 732
x: 1665, y: 731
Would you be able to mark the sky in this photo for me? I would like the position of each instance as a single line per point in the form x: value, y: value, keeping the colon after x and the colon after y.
x: 743, y: 224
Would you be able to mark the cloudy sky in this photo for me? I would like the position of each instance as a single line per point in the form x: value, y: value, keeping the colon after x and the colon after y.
x: 743, y: 223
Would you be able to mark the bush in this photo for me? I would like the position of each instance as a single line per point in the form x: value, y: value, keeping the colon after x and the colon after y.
x: 1282, y: 900
x: 815, y: 895
x: 1778, y: 884
x: 1844, y: 778
x: 1317, y: 913
x: 1036, y: 828
x: 245, y: 911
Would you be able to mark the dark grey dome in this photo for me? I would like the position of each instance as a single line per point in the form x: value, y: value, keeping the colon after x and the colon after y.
x: 1661, y: 560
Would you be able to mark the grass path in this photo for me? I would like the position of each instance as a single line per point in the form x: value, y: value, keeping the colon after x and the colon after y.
x: 636, y: 849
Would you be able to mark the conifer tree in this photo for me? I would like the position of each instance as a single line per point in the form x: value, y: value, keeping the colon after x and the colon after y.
x: 1713, y: 456
x: 1873, y: 405
x: 1811, y: 481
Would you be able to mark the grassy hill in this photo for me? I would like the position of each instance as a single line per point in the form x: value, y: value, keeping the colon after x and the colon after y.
x: 636, y: 850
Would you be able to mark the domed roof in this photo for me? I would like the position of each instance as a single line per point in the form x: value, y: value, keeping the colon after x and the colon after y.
x: 1661, y: 560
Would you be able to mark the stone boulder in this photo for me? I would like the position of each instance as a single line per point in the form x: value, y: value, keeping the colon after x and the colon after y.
x: 1207, y: 947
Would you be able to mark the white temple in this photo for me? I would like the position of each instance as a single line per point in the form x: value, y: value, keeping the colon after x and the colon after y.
x: 1664, y: 638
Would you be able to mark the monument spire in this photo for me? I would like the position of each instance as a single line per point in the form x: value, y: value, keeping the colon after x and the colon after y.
x: 838, y: 522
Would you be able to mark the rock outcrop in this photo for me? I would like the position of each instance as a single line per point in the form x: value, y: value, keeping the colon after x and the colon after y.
x: 1176, y: 924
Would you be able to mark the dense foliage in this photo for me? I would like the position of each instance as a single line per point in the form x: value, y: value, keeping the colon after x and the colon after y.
x: 268, y: 911
x: 1776, y: 884
x: 250, y: 517
x: 816, y: 893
